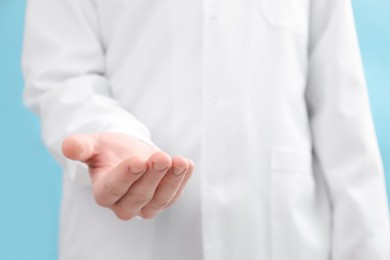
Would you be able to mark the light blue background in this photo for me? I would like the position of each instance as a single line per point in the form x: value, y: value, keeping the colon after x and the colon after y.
x: 30, y: 181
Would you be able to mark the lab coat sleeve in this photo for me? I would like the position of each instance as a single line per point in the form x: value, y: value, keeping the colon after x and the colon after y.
x: 345, y: 147
x: 63, y: 64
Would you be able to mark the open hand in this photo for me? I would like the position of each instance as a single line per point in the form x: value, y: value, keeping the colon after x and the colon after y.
x: 129, y: 176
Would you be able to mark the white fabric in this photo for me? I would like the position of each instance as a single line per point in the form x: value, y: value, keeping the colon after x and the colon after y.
x: 266, y: 96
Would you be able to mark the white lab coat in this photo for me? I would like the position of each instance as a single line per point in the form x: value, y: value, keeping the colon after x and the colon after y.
x: 266, y: 96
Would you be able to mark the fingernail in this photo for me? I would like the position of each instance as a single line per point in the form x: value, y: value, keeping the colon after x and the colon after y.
x: 178, y: 171
x: 136, y: 170
x: 159, y: 167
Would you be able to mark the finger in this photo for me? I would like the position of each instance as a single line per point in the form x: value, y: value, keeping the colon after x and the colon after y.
x: 183, y: 184
x: 142, y: 191
x: 167, y: 188
x: 79, y: 147
x: 111, y: 186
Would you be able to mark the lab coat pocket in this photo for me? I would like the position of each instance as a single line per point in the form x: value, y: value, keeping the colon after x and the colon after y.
x: 292, y: 205
x: 292, y: 15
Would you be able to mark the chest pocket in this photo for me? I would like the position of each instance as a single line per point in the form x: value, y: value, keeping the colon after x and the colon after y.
x: 291, y: 15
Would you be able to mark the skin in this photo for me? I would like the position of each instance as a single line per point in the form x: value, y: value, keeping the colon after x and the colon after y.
x: 128, y: 176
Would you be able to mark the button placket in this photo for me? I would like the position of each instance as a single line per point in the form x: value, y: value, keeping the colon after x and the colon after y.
x: 212, y: 7
x: 209, y: 126
x: 210, y: 88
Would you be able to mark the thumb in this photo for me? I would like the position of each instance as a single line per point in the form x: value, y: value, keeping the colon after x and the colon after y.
x: 79, y: 147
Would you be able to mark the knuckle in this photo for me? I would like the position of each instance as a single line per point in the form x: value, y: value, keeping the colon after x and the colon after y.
x: 170, y: 183
x: 100, y: 198
x: 111, y: 190
x: 127, y: 177
x: 158, y: 203
x: 147, y: 214
x: 139, y: 197
x: 124, y: 215
x: 151, y: 181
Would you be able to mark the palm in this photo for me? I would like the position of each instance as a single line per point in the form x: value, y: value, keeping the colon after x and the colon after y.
x: 111, y: 149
